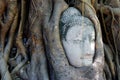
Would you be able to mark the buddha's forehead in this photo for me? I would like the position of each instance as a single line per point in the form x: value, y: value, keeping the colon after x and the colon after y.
x: 81, y: 31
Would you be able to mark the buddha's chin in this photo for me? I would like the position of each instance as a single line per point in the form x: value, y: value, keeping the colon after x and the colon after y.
x: 80, y: 62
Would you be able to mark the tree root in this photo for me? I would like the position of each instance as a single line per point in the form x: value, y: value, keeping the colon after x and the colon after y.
x: 19, y: 42
x: 12, y: 16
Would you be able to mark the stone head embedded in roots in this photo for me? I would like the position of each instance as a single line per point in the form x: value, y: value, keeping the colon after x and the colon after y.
x: 78, y: 37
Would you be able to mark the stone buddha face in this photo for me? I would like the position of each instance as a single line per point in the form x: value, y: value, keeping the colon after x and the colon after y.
x: 78, y: 39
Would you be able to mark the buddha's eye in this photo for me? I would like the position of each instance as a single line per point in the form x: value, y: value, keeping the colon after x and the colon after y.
x: 77, y: 41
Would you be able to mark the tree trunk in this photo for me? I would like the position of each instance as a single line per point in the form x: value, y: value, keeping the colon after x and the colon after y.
x: 35, y: 43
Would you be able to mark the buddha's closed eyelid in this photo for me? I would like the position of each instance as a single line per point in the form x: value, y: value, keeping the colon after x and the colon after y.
x: 77, y: 41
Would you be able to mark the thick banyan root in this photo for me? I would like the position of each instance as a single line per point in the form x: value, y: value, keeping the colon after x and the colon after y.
x: 3, y: 5
x: 110, y: 15
x: 20, y: 46
x: 8, y: 24
x: 8, y: 27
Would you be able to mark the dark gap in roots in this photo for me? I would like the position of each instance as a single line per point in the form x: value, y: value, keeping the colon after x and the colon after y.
x: 103, y: 31
x: 72, y: 3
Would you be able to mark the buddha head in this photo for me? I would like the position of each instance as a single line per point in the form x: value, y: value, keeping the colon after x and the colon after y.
x: 78, y: 37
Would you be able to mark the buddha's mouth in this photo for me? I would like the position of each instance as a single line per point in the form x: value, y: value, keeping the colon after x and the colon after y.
x: 88, y: 56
